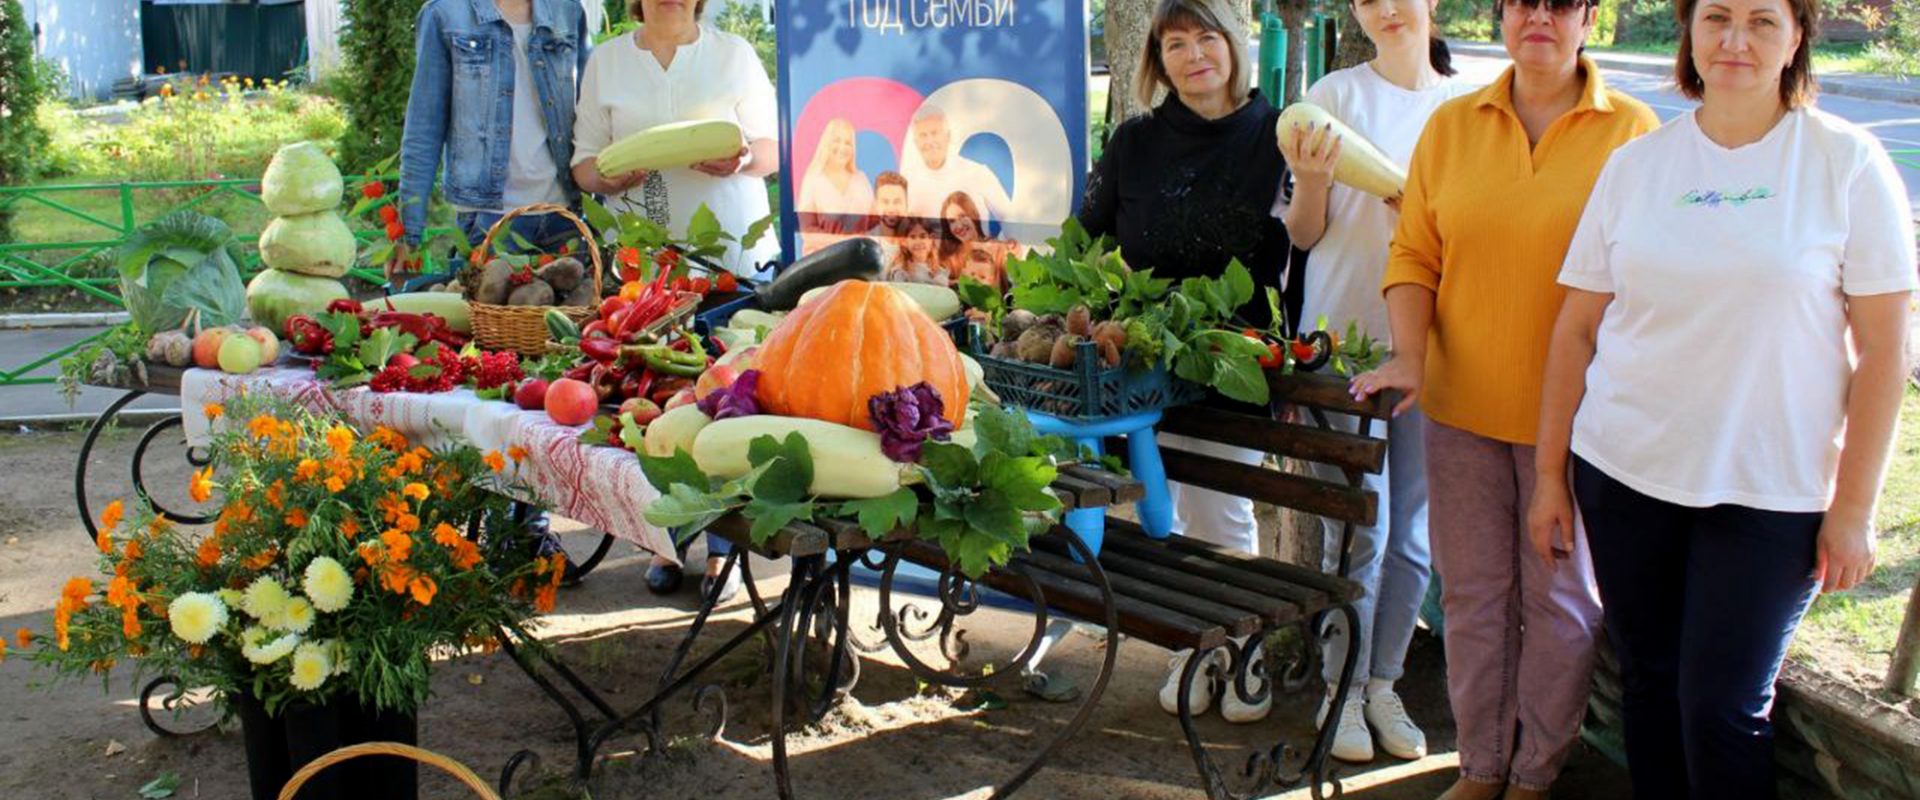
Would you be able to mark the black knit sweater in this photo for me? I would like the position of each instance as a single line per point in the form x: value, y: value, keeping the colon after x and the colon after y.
x: 1183, y: 195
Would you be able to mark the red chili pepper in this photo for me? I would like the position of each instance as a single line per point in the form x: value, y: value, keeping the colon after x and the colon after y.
x: 343, y: 305
x: 595, y: 328
x: 612, y: 304
x: 682, y: 284
x: 1272, y: 358
x: 579, y: 372
x: 726, y: 283
x: 599, y: 349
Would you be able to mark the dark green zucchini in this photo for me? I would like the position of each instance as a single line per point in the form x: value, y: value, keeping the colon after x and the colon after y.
x: 850, y: 259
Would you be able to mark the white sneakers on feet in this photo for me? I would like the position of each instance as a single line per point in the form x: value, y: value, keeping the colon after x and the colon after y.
x: 1351, y: 741
x: 1200, y: 694
x: 1391, y: 725
x: 1232, y: 708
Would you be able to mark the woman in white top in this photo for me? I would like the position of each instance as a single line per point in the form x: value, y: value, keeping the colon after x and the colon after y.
x: 1726, y: 370
x: 675, y: 69
x: 1387, y: 100
x: 835, y: 195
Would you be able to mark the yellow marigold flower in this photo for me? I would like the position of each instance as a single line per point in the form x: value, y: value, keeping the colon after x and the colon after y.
x: 340, y: 439
x: 517, y: 453
x: 297, y: 616
x: 495, y: 462
x: 306, y: 470
x: 196, y: 616
x: 201, y: 488
x: 417, y: 491
x: 265, y: 597
x: 327, y: 584
x: 312, y: 663
x: 259, y: 650
x: 262, y: 426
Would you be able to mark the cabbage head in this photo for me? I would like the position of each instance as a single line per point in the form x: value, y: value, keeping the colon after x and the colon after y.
x: 301, y: 179
x: 183, y: 263
x: 310, y: 244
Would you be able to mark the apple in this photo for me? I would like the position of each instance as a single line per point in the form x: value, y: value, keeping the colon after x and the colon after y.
x: 571, y: 402
x: 640, y: 410
x: 684, y: 397
x: 206, y: 347
x: 403, y: 361
x: 531, y: 395
x: 717, y: 377
x: 269, y: 344
x: 239, y: 355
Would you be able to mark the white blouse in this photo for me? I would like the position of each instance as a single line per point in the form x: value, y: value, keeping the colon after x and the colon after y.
x: 717, y: 76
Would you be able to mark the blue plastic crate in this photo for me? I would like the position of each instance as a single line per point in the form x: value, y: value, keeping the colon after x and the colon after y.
x: 1087, y: 392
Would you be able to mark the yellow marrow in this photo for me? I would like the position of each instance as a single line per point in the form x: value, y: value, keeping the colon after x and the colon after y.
x: 675, y: 144
x: 847, y: 461
x: 1361, y: 165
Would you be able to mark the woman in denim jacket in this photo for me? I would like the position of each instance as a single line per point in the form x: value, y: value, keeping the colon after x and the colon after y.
x: 494, y: 85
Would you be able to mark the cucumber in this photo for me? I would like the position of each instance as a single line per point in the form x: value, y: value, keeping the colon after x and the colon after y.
x: 449, y: 306
x: 561, y: 327
x: 853, y: 258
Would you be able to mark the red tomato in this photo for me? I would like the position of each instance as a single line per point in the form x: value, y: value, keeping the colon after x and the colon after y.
x: 726, y: 283
x: 699, y: 286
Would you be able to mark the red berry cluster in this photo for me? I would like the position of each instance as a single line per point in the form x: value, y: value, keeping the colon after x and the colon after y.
x: 521, y: 276
x: 494, y: 370
x: 399, y: 377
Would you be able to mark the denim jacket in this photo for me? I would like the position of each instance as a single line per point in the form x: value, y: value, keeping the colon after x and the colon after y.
x: 462, y: 100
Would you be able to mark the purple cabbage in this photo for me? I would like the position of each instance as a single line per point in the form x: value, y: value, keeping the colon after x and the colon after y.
x: 908, y: 417
x: 733, y: 401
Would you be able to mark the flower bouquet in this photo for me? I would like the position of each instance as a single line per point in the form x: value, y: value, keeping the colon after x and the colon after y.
x: 337, y: 567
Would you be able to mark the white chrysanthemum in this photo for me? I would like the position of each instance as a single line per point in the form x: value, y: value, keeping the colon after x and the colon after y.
x: 255, y: 646
x: 232, y: 597
x: 196, y: 616
x: 327, y: 584
x: 265, y: 599
x: 311, y: 666
x: 296, y: 616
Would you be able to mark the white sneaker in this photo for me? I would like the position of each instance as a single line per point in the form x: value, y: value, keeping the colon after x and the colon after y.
x: 1232, y: 708
x: 1200, y: 695
x: 1352, y: 741
x: 1392, y: 727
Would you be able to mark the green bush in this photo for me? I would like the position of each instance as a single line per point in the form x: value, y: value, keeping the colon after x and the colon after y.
x: 192, y: 131
x: 376, y: 46
x: 1897, y: 51
x: 21, y: 87
x: 1644, y: 22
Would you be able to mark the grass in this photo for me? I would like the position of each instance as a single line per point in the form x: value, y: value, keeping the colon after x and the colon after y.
x: 1828, y: 59
x: 1854, y: 633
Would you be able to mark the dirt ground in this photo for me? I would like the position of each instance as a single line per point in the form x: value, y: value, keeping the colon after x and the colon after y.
x: 893, y: 740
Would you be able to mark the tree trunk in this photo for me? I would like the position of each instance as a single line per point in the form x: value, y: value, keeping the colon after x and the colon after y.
x: 1294, y: 14
x: 1127, y: 22
x: 1355, y: 47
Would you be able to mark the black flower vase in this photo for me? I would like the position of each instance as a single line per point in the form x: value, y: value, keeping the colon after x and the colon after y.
x: 266, y: 742
x: 278, y: 747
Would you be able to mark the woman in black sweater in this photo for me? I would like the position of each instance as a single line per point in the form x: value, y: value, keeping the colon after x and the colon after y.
x: 1184, y: 190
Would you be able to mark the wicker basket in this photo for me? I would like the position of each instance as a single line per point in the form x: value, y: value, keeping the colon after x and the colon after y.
x: 523, y: 329
x: 427, y: 757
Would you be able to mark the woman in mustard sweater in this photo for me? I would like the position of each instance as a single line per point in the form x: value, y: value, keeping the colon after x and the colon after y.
x: 1495, y: 189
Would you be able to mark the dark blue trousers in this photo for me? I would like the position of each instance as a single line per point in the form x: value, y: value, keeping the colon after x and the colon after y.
x: 1700, y: 606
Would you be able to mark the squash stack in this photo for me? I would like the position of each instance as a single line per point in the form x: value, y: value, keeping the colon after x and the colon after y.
x: 307, y: 247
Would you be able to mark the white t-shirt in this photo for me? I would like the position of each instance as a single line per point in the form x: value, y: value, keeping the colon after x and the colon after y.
x: 532, y: 177
x: 717, y: 76
x: 837, y: 211
x: 1722, y: 364
x: 928, y: 188
x: 1344, y: 268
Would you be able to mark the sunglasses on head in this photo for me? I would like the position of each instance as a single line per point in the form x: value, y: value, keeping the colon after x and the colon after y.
x: 1553, y: 6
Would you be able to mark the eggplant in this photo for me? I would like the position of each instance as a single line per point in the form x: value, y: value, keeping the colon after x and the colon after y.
x: 858, y: 258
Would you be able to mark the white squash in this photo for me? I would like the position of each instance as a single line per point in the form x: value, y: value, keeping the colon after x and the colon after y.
x: 847, y: 461
x: 939, y: 302
x: 1361, y: 165
x: 675, y: 430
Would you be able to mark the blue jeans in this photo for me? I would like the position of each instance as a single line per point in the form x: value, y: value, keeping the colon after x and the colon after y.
x: 1700, y: 605
x: 546, y: 232
x: 1389, y: 559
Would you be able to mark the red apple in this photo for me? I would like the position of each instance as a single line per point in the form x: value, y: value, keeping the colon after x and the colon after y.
x: 684, y: 397
x: 269, y: 344
x: 571, y: 402
x: 206, y: 347
x: 641, y: 410
x: 717, y: 377
x: 531, y: 395
x: 403, y: 361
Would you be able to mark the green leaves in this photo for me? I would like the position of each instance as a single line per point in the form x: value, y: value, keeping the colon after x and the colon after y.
x: 879, y: 516
x: 789, y: 468
x: 948, y: 465
x: 997, y: 428
x: 679, y: 468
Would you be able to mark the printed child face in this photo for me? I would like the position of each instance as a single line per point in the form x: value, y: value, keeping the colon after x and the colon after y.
x: 959, y: 224
x: 919, y: 242
x: 980, y: 267
x: 932, y: 137
x: 890, y: 203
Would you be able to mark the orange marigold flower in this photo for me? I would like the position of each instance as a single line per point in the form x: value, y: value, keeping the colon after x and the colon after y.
x: 336, y: 485
x: 349, y: 529
x: 76, y: 590
x: 495, y: 462
x: 130, y: 621
x: 407, y: 523
x: 517, y: 453
x: 121, y: 592
x: 466, y: 555
x: 391, y: 506
x: 62, y: 617
x: 397, y: 577
x: 213, y: 411
x: 277, y: 495
x: 306, y: 470
x: 111, y: 516
x: 369, y: 553
x: 201, y: 488
x: 340, y: 439
x: 447, y: 535
x: 104, y: 541
x: 423, y: 589
x: 388, y: 438
x: 399, y: 545
x: 262, y: 426
x: 296, y: 519
x: 544, y: 598
x: 23, y: 638
x: 135, y: 549
x: 208, y: 553
x: 417, y: 491
x: 262, y: 559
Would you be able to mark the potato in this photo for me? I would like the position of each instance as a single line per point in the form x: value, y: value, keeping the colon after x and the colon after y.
x: 1035, y: 346
x: 1016, y: 322
x: 494, y: 284
x: 582, y: 295
x: 537, y: 293
x: 564, y: 274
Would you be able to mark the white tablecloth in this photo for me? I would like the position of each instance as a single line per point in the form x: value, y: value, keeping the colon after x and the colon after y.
x: 599, y: 486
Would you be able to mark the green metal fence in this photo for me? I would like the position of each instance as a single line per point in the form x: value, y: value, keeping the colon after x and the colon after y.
x: 1910, y: 158
x: 94, y: 218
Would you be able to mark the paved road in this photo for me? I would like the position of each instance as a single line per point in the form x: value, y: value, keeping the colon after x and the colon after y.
x: 1897, y: 124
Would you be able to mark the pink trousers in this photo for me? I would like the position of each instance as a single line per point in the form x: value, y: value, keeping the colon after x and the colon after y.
x: 1520, y: 635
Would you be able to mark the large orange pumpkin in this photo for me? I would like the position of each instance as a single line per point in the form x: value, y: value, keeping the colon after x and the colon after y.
x: 858, y: 339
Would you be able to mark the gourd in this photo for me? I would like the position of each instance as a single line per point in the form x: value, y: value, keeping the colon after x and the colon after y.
x: 675, y: 144
x: 857, y: 340
x: 1361, y: 165
x: 676, y: 430
x: 446, y: 305
x: 940, y: 302
x: 847, y: 462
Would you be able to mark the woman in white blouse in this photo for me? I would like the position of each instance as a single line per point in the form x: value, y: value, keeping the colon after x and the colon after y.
x: 835, y: 195
x: 1726, y: 371
x: 675, y: 69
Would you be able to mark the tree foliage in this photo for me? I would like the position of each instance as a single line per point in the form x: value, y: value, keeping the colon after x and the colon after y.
x: 377, y: 44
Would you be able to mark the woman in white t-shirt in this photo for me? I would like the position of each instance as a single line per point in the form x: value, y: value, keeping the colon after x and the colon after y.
x: 1387, y: 100
x: 1729, y: 443
x: 675, y: 69
x: 835, y: 195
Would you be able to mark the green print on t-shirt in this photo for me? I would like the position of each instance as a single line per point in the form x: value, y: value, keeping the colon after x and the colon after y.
x: 1714, y: 198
